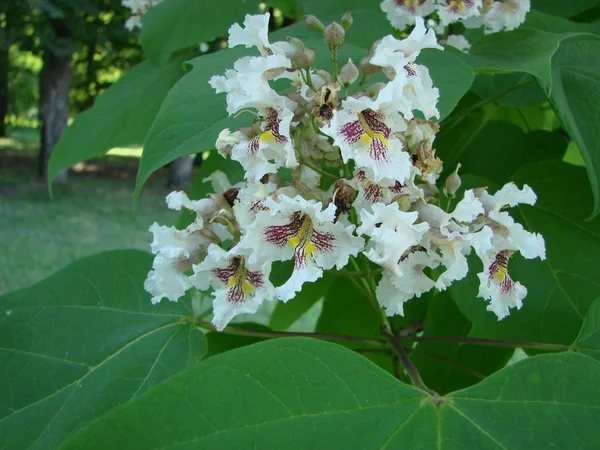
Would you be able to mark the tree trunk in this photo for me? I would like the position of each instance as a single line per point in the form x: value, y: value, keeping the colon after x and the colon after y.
x: 4, y: 68
x: 180, y: 173
x: 55, y: 82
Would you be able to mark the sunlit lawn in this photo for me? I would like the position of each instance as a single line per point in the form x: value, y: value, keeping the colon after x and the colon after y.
x: 91, y: 213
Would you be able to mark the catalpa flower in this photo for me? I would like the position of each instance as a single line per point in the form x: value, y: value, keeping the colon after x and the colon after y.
x: 250, y: 201
x: 392, y: 232
x: 452, y: 10
x: 255, y: 34
x: 506, y: 15
x: 450, y: 233
x: 239, y: 287
x: 272, y: 147
x: 399, y: 53
x: 296, y: 228
x: 407, y: 281
x: 384, y: 191
x: 365, y: 132
x: 412, y: 86
x: 496, y: 284
x: 402, y: 13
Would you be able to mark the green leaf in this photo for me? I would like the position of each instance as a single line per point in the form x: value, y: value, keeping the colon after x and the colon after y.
x: 450, y: 75
x: 298, y: 393
x: 497, y: 149
x: 286, y: 314
x: 588, y: 341
x: 177, y: 24
x: 191, y: 117
x: 575, y: 96
x: 563, y: 8
x: 121, y: 116
x: 561, y: 288
x: 510, y: 89
x: 448, y: 366
x: 522, y: 50
x: 219, y: 342
x: 553, y: 24
x: 82, y: 342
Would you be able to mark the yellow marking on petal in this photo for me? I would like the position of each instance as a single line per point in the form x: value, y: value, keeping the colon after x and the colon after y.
x: 500, y: 275
x: 294, y: 241
x: 370, y: 134
x: 247, y: 288
x: 268, y: 137
x: 309, y: 249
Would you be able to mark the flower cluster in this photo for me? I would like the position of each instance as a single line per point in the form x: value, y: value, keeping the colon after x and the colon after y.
x: 335, y: 180
x: 492, y: 15
x: 138, y: 9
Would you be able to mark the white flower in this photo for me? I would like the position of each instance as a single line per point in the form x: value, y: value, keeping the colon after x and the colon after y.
x: 239, y: 286
x: 175, y: 252
x: 384, y: 191
x: 365, y: 130
x: 247, y: 84
x: 255, y: 34
x: 451, y: 234
x: 204, y: 208
x: 496, y: 285
x: 458, y: 41
x: 251, y: 200
x: 392, y: 233
x: 452, y: 10
x: 506, y: 15
x: 166, y: 280
x: 394, y: 290
x: 398, y: 53
x: 273, y: 147
x: 402, y: 13
x: 299, y: 229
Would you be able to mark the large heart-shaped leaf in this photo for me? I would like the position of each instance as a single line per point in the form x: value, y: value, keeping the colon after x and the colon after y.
x: 120, y: 117
x: 588, y: 341
x: 178, y: 24
x: 82, y: 342
x: 575, y: 96
x: 300, y: 393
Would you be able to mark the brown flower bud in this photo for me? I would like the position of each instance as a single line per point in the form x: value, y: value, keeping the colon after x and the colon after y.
x: 334, y: 35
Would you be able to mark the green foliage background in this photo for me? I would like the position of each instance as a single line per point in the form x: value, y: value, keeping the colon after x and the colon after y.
x: 87, y: 361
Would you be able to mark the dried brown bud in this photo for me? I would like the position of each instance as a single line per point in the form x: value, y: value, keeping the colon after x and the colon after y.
x: 231, y: 195
x: 342, y: 198
x: 312, y: 23
x: 334, y: 35
x: 347, y: 20
x: 349, y: 73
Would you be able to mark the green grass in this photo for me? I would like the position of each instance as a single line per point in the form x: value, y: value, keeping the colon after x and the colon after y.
x: 93, y: 212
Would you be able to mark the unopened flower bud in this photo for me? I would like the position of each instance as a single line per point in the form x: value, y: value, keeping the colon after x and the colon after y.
x: 303, y: 57
x: 366, y: 67
x: 453, y: 183
x: 349, y: 73
x: 334, y: 35
x: 347, y: 20
x: 312, y: 23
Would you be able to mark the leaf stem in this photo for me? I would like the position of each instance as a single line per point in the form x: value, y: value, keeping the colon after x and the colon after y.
x: 409, y: 367
x: 490, y: 342
x: 273, y: 334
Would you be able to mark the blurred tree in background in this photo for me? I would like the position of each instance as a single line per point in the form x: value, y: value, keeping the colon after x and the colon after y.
x: 56, y: 57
